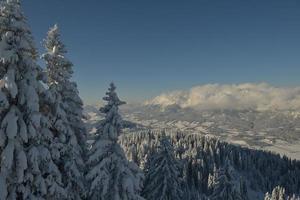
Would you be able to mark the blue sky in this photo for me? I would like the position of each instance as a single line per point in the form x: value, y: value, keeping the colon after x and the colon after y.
x: 148, y: 47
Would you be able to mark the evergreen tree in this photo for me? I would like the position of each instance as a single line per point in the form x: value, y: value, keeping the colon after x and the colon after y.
x: 212, y: 179
x: 267, y: 196
x: 27, y: 170
x: 66, y: 115
x: 278, y: 193
x: 163, y: 180
x: 110, y: 174
x: 224, y: 188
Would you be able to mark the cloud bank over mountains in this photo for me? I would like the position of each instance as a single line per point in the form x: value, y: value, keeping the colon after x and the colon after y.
x: 237, y: 97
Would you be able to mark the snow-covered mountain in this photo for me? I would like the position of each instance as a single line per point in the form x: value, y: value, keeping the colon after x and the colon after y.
x: 232, y: 97
x: 252, y: 115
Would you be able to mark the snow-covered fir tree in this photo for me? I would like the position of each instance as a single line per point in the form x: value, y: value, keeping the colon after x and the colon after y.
x: 110, y: 174
x: 163, y: 181
x: 278, y: 193
x: 224, y: 188
x: 66, y: 116
x: 60, y: 71
x: 27, y: 170
x: 212, y: 180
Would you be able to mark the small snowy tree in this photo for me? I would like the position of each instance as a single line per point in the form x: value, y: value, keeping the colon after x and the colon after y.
x: 267, y: 196
x: 278, y: 193
x: 66, y: 115
x: 163, y: 180
x: 110, y: 174
x: 211, y: 181
x: 27, y: 170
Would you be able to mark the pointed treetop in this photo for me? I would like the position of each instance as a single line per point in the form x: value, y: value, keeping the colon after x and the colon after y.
x: 54, y: 31
x: 112, y: 87
x: 53, y: 42
x: 59, y: 67
x: 112, y: 99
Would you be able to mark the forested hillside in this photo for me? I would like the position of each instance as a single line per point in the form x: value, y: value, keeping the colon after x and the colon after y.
x: 202, y: 161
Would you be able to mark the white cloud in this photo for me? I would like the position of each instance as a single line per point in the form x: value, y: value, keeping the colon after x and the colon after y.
x: 241, y: 96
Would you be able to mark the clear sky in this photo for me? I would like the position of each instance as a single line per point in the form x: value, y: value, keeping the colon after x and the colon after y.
x: 150, y: 46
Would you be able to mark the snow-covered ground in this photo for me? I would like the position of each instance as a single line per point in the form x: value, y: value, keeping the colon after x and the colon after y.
x: 289, y: 149
x: 276, y: 131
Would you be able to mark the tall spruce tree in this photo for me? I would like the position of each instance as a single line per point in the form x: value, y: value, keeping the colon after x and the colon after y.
x: 66, y: 116
x: 163, y: 180
x: 27, y: 170
x: 110, y: 174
